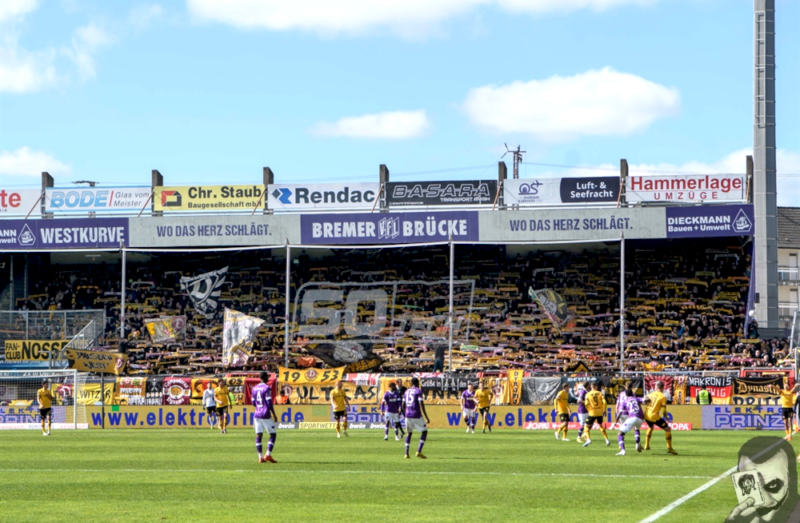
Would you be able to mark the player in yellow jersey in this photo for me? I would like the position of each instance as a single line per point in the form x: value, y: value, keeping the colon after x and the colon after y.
x: 596, y: 405
x: 787, y: 409
x: 223, y: 401
x: 340, y: 402
x: 484, y: 398
x: 561, y: 404
x: 654, y: 417
x: 45, y: 399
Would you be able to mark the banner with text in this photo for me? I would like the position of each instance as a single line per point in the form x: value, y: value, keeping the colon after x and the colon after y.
x: 475, y: 192
x: 20, y: 202
x: 307, y: 197
x: 410, y: 227
x: 32, y: 350
x: 303, y: 376
x: 96, y: 199
x: 720, y: 387
x: 209, y: 198
x: 78, y: 233
x: 686, y: 188
x: 96, y: 361
x: 555, y: 191
x: 712, y: 220
x: 220, y: 231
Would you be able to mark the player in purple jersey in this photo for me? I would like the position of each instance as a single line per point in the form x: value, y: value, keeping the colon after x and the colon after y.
x: 583, y: 412
x: 622, y: 411
x: 414, y: 407
x: 468, y: 407
x: 632, y: 408
x: 264, y: 418
x: 390, y: 408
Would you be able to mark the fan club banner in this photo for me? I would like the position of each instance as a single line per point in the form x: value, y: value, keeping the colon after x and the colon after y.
x: 320, y: 394
x: 686, y: 188
x: 305, y: 376
x: 720, y: 388
x: 160, y: 330
x: 131, y: 391
x: 209, y: 198
x: 239, y: 331
x: 757, y: 390
x: 544, y: 191
x: 177, y: 391
x: 445, y: 389
x: 236, y: 388
x: 540, y: 391
x: 479, y: 192
x: 204, y: 290
x: 31, y: 350
x: 96, y: 361
x: 513, y: 390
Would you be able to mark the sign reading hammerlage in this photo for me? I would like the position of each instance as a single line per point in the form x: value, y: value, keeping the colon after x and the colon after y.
x: 21, y: 235
x: 685, y: 188
x: 209, y: 198
x: 474, y: 192
x: 717, y: 220
x: 543, y: 191
x: 19, y: 202
x: 96, y: 199
x: 350, y: 196
x: 346, y: 229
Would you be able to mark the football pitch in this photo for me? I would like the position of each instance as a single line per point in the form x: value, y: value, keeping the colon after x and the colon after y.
x: 202, y: 475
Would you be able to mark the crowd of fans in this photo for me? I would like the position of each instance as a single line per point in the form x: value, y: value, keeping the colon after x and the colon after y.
x: 685, y: 307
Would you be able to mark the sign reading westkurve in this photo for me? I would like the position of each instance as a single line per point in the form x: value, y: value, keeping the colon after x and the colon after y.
x: 209, y: 198
x: 32, y: 350
x: 96, y: 199
x: 475, y: 192
x: 63, y: 234
x: 544, y: 191
x: 677, y: 188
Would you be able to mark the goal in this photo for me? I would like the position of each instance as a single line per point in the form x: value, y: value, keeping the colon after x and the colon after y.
x: 18, y: 403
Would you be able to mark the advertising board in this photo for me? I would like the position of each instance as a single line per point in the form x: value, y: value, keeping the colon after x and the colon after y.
x: 473, y: 192
x: 339, y: 196
x: 96, y: 199
x: 214, y: 198
x: 554, y: 191
x: 78, y: 233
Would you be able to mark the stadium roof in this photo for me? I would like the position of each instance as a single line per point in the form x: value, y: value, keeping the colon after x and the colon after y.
x: 789, y: 227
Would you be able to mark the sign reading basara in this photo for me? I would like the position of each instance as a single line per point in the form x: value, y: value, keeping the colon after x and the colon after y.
x: 473, y: 192
x: 410, y: 227
x: 322, y: 196
x: 209, y: 198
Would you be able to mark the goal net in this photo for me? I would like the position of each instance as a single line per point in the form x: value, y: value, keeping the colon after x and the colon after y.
x: 19, y: 408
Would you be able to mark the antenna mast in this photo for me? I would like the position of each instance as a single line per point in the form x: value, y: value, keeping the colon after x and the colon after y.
x: 517, y: 154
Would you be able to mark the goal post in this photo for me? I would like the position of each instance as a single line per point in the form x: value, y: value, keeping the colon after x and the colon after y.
x: 19, y: 408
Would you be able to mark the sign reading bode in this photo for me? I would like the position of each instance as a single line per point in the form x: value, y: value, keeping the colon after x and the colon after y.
x: 63, y: 234
x: 19, y: 202
x: 31, y: 350
x: 686, y: 188
x: 410, y: 227
x: 478, y: 192
x: 96, y: 199
x: 349, y: 196
x: 209, y: 198
x: 702, y: 222
x: 543, y: 191
x: 220, y: 231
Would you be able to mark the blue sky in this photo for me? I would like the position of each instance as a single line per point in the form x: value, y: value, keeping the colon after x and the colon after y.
x: 210, y: 91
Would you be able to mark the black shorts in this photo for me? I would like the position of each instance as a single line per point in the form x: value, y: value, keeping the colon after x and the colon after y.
x: 46, y: 413
x: 663, y: 425
x: 563, y: 418
x: 211, y: 410
x: 592, y: 419
x: 339, y: 414
x: 787, y: 413
x: 222, y: 411
x: 484, y: 411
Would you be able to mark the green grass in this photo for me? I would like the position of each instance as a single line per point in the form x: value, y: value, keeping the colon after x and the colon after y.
x: 201, y: 475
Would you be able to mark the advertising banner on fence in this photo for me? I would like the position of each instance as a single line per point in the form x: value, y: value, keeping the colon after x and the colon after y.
x: 738, y: 417
x: 302, y: 376
x: 20, y: 202
x: 714, y: 220
x: 410, y: 227
x: 90, y: 394
x: 96, y: 199
x: 131, y: 391
x: 96, y: 361
x: 31, y: 350
x: 78, y: 233
x: 194, y: 416
x: 307, y: 197
x: 220, y: 231
x: 763, y: 390
x: 177, y: 390
x: 209, y: 198
x: 475, y: 192
x: 319, y: 394
x: 572, y: 224
x: 686, y: 188
x: 555, y: 191
x: 720, y: 387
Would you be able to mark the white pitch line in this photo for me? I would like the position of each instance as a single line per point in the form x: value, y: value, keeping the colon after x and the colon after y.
x: 409, y: 472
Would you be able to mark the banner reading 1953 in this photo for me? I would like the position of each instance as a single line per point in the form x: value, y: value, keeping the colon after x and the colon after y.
x: 209, y: 198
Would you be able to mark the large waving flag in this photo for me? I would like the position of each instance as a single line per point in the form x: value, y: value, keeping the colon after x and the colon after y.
x: 238, y: 335
x: 204, y: 290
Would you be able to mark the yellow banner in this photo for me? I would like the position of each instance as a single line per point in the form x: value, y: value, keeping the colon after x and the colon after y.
x: 302, y: 376
x: 89, y: 394
x: 320, y: 394
x: 32, y: 350
x: 209, y: 198
x: 96, y: 361
x: 512, y: 392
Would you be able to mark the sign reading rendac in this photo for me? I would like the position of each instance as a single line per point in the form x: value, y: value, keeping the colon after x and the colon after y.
x: 296, y: 197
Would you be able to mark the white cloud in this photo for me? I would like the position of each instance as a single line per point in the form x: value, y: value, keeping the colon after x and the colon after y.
x: 142, y: 16
x: 22, y: 71
x: 27, y: 162
x: 411, y: 18
x: 10, y: 9
x: 85, y: 43
x: 558, y: 109
x: 395, y: 125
